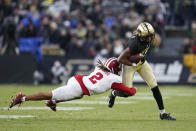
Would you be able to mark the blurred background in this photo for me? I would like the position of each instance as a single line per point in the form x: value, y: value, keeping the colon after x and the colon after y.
x: 47, y: 41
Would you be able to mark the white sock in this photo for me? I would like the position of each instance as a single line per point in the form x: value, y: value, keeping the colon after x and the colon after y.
x: 23, y: 98
x: 53, y: 101
x: 113, y: 93
x: 162, y: 111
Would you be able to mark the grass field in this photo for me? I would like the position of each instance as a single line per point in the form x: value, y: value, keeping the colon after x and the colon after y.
x: 138, y: 113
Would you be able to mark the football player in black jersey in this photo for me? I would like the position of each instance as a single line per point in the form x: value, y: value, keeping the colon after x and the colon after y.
x: 140, y: 42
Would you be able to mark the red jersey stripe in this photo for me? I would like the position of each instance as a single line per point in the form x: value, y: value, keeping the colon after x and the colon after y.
x: 84, y: 89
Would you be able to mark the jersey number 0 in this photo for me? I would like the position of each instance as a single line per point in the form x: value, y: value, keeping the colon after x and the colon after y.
x: 96, y: 77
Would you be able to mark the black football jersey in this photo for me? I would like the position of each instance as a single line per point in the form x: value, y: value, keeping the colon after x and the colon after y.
x: 137, y: 47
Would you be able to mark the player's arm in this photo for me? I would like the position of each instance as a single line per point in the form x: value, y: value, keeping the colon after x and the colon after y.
x: 124, y: 57
x: 123, y: 88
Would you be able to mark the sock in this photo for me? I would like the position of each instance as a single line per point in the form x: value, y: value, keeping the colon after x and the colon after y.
x: 23, y: 98
x: 119, y: 93
x: 113, y: 93
x: 158, y: 97
x: 162, y: 111
x: 53, y: 101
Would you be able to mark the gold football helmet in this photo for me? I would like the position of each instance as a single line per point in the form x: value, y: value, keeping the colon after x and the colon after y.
x: 145, y: 32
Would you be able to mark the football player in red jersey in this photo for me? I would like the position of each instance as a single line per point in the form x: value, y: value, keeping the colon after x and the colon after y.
x: 104, y: 77
x: 139, y: 43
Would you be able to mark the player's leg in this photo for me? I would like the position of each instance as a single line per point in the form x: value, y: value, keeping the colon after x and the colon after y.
x: 128, y: 73
x: 39, y: 96
x: 34, y: 97
x: 147, y: 74
x: 65, y: 93
x: 145, y: 71
x: 127, y: 78
x: 68, y: 92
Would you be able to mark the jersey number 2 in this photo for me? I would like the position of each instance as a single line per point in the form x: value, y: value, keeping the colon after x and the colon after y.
x: 96, y: 77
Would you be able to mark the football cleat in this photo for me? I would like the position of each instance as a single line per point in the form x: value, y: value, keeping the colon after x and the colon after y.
x: 166, y: 116
x: 50, y: 104
x: 17, y: 100
x: 111, y: 99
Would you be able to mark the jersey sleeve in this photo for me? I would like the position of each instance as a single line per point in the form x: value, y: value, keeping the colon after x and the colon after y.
x: 132, y: 44
x: 115, y: 78
x: 123, y: 88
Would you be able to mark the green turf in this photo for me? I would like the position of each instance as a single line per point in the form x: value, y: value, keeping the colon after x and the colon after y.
x: 143, y: 115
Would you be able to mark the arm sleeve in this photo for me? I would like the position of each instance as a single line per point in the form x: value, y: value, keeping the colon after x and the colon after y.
x: 132, y: 45
x: 123, y: 88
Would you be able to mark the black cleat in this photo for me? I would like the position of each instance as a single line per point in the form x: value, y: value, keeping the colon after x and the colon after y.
x: 111, y: 100
x: 166, y: 116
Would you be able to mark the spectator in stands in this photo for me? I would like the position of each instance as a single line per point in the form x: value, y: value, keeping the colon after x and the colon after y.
x: 192, y: 32
x: 159, y: 22
x: 110, y: 19
x: 81, y: 31
x: 118, y: 47
x: 64, y: 41
x: 194, y: 45
x: 96, y: 15
x: 44, y: 29
x: 89, y: 46
x: 124, y: 28
x: 30, y: 30
x: 90, y: 29
x: 38, y: 77
x: 187, y: 47
x: 27, y: 28
x: 187, y: 11
x: 114, y: 32
x: 109, y: 47
x: 76, y: 47
x: 59, y: 73
x: 34, y: 13
x: 54, y: 33
x: 10, y: 41
x: 101, y: 54
x: 5, y: 9
x: 134, y: 18
x: 147, y: 15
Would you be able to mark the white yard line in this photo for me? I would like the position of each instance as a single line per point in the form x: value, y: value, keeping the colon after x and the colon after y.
x: 97, y: 102
x: 167, y: 93
x: 47, y: 108
x: 15, y: 116
x: 177, y: 94
x: 132, y: 98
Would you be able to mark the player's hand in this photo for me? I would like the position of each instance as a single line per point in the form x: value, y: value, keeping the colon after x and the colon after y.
x: 133, y: 90
x: 136, y: 58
